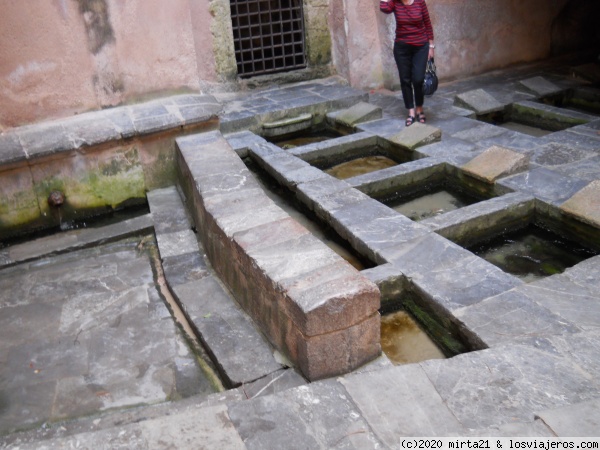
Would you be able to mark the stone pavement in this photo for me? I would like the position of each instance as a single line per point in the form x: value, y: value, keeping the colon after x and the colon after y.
x: 536, y: 359
x: 87, y: 331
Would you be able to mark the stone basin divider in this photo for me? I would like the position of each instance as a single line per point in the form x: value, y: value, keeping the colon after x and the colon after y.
x: 312, y: 305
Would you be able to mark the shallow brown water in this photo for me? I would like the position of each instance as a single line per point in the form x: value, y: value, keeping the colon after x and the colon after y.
x: 404, y: 342
x: 360, y: 166
x: 299, y: 141
x: 431, y: 204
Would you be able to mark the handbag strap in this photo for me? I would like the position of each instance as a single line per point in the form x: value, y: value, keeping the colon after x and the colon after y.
x: 431, y: 65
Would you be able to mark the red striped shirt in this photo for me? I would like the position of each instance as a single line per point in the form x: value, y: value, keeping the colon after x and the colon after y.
x: 413, y: 25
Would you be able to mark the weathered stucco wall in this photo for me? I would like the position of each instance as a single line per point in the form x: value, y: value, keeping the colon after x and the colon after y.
x: 61, y: 57
x: 357, y: 42
x: 318, y: 39
x: 480, y: 35
x: 473, y: 36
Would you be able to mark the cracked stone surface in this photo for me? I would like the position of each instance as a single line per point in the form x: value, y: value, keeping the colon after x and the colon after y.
x: 88, y: 332
x: 479, y: 101
x: 496, y: 162
x: 539, y: 375
x: 585, y: 204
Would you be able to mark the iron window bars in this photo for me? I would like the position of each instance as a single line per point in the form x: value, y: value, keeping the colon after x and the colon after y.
x: 268, y: 36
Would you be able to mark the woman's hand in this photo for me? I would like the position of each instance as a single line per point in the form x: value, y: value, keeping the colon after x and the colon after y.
x: 431, y: 52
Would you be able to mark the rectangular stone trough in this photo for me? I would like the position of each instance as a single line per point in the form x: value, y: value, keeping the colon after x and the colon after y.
x: 423, y: 179
x: 313, y: 306
x: 584, y: 99
x: 330, y: 153
x: 538, y: 116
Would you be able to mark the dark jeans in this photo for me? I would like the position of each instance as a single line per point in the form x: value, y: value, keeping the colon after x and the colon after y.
x: 411, y: 61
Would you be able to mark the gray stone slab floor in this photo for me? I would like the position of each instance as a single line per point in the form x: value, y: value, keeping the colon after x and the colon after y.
x: 87, y: 331
x: 536, y: 372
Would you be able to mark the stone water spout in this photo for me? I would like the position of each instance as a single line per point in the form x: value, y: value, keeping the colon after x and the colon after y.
x: 56, y: 199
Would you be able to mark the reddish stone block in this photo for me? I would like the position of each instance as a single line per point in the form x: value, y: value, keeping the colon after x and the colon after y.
x: 311, y: 304
x: 340, y: 352
x: 334, y: 305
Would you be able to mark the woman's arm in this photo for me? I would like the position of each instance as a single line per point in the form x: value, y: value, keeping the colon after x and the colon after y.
x: 428, y: 29
x: 386, y: 6
x: 426, y: 22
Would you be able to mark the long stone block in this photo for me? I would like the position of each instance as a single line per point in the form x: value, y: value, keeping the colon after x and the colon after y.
x: 496, y: 162
x: 580, y: 419
x: 317, y: 416
x: 416, y: 136
x: 585, y: 204
x: 546, y: 116
x: 507, y: 385
x: 326, y: 324
x: 228, y: 334
x: 479, y: 101
x: 475, y: 222
x: 418, y: 409
x: 539, y: 86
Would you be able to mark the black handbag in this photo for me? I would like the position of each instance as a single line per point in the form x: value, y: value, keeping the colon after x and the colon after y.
x: 430, y: 84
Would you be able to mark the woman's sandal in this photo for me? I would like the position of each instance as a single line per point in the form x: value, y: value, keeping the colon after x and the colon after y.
x: 410, y: 120
x: 421, y: 118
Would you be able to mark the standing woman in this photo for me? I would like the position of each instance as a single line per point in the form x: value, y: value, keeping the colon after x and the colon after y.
x: 413, y: 46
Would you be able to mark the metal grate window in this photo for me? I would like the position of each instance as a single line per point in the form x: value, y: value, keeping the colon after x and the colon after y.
x: 268, y: 36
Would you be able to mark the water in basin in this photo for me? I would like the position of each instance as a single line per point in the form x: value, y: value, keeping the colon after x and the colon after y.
x: 431, y: 203
x: 532, y: 253
x: 403, y: 341
x: 293, y: 141
x: 360, y: 166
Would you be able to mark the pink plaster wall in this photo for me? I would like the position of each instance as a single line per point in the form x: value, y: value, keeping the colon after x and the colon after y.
x: 339, y: 38
x: 49, y: 66
x: 154, y: 45
x: 201, y: 21
x: 356, y: 41
x: 476, y: 36
x: 40, y: 56
x: 53, y: 63
x: 473, y: 36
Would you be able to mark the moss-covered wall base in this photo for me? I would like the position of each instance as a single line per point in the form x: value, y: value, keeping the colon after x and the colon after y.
x: 93, y: 181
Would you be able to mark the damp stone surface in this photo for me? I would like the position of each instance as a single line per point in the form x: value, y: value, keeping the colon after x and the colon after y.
x: 87, y: 332
x: 529, y: 354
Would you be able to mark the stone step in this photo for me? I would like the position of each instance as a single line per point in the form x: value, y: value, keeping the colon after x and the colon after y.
x: 110, y: 125
x: 237, y: 348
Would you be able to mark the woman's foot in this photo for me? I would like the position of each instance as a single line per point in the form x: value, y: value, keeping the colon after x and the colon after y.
x: 421, y: 117
x: 410, y: 120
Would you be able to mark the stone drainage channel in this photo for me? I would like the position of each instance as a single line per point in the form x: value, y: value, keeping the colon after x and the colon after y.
x: 422, y: 266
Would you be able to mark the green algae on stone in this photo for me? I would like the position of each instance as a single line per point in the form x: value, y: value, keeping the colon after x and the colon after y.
x: 18, y: 200
x: 585, y: 105
x: 543, y: 118
x: 96, y: 183
x: 223, y: 47
x: 161, y: 172
x: 19, y: 209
